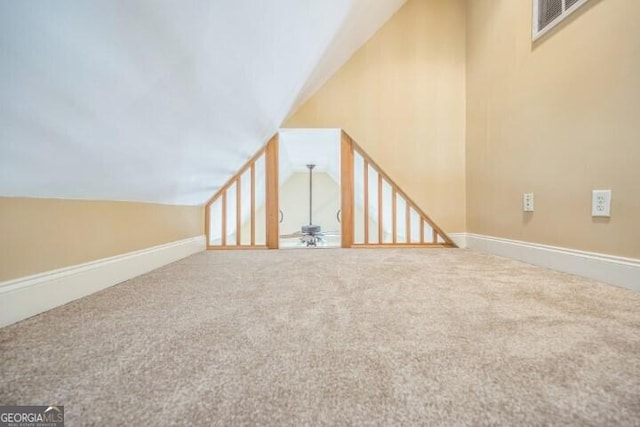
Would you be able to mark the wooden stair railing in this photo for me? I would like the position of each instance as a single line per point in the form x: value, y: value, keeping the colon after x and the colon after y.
x: 375, y: 212
x: 232, y: 220
x: 365, y: 185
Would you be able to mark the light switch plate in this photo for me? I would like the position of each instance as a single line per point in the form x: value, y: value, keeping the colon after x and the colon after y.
x: 601, y: 203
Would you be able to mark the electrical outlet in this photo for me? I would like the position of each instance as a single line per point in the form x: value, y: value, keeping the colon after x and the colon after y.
x: 601, y: 203
x: 527, y: 202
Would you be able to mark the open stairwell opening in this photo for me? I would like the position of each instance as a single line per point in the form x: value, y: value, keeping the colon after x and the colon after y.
x: 309, y: 192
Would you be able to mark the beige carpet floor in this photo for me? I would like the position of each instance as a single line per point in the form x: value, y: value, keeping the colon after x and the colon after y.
x: 335, y: 337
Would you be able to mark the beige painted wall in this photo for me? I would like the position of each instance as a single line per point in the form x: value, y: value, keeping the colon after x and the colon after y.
x: 44, y: 234
x: 558, y: 118
x: 402, y: 98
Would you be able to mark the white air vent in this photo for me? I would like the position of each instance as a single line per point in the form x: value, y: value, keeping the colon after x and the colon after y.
x: 549, y: 13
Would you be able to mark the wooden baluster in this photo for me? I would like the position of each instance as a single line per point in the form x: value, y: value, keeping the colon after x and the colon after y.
x: 253, y: 203
x: 380, y: 224
x: 407, y: 221
x: 393, y: 214
x: 224, y: 217
x: 366, y: 201
x: 238, y: 211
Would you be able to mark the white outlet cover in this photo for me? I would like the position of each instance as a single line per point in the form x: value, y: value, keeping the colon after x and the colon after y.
x: 527, y: 202
x: 601, y: 203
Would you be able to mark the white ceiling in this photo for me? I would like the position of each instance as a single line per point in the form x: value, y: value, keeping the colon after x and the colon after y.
x: 159, y: 100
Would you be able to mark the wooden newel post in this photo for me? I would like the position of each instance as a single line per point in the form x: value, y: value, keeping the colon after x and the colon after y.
x: 271, y: 162
x: 347, y: 179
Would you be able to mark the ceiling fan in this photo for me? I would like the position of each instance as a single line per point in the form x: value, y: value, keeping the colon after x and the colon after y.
x: 310, y: 235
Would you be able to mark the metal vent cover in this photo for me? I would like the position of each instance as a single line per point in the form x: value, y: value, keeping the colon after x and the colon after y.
x: 548, y: 13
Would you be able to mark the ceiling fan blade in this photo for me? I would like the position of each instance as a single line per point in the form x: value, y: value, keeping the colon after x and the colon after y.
x: 291, y: 236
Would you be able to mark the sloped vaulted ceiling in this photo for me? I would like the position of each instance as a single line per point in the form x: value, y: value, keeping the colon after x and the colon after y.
x: 159, y: 100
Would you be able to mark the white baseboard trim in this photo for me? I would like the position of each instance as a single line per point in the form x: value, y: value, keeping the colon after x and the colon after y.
x: 27, y: 296
x: 611, y: 269
x: 460, y: 239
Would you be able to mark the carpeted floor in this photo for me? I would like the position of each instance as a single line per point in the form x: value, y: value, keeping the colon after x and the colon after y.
x: 339, y: 337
